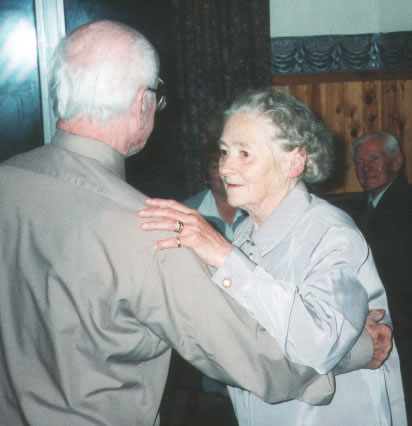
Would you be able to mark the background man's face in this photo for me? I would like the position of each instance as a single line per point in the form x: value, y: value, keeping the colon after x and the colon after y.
x: 374, y: 166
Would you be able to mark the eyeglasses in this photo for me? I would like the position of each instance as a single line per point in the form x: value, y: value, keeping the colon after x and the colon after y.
x: 161, y: 92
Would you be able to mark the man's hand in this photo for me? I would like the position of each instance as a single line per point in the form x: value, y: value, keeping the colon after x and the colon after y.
x: 381, y: 335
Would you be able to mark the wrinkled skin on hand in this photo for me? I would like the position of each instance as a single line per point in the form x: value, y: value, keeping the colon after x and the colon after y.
x: 197, y: 233
x: 381, y: 335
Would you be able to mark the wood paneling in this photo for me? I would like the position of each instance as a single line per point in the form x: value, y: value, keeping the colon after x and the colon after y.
x: 356, y: 103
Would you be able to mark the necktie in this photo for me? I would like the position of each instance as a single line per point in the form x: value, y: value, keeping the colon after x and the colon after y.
x: 365, y: 218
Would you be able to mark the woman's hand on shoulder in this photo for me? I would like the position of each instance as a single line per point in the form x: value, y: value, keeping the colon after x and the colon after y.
x: 192, y: 230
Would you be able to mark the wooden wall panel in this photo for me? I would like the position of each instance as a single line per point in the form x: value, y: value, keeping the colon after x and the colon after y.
x: 304, y: 93
x: 390, y: 111
x: 356, y: 103
x: 333, y: 112
x: 372, y: 94
x: 354, y: 127
x: 405, y: 113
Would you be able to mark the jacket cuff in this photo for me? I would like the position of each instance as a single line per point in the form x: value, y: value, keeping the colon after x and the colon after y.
x: 235, y: 272
x: 358, y: 357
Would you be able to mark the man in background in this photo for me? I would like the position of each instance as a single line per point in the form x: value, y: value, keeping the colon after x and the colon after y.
x: 385, y: 218
x: 89, y: 311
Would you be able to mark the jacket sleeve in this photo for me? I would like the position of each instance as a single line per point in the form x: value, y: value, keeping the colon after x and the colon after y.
x: 316, y: 319
x: 183, y: 307
x: 358, y: 357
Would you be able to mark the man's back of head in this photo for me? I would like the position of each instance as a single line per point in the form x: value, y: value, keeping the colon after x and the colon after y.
x: 99, y: 84
x: 97, y: 69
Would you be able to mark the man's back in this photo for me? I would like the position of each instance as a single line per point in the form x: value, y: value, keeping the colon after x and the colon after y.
x: 73, y: 351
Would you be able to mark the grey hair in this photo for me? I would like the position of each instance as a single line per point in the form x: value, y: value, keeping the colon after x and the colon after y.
x: 391, y: 145
x: 97, y: 71
x: 299, y: 128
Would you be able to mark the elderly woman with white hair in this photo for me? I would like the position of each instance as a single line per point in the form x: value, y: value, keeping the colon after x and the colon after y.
x: 297, y: 264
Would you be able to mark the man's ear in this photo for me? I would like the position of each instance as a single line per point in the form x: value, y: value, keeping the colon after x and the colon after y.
x: 139, y: 107
x: 297, y: 163
x: 397, y: 162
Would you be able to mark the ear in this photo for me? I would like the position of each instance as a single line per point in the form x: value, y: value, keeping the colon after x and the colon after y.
x: 139, y: 108
x: 397, y: 162
x: 297, y: 163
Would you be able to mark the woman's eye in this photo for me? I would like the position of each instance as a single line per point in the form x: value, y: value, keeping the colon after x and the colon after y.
x: 244, y: 154
x: 223, y: 152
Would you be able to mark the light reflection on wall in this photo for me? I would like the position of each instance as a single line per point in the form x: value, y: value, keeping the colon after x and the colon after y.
x: 20, y: 108
x: 19, y: 53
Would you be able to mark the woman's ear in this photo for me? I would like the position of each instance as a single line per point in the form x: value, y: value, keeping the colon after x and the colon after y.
x: 297, y: 163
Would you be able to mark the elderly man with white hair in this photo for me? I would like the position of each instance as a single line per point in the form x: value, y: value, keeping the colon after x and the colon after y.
x: 89, y: 311
x: 384, y: 215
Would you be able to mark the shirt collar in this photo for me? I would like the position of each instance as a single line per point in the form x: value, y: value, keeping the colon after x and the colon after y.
x: 376, y: 199
x: 279, y: 223
x: 209, y: 206
x: 110, y: 157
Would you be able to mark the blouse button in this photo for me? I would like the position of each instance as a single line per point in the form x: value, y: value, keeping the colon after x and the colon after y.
x: 251, y: 256
x: 227, y: 282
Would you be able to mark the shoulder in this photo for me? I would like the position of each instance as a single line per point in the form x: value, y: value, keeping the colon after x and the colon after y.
x: 42, y: 155
x: 327, y: 214
x: 398, y: 194
x: 323, y: 223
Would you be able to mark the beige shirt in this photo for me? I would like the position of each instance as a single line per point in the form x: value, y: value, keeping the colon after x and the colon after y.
x: 89, y: 311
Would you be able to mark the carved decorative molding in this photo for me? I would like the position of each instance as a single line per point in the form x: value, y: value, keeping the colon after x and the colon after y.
x: 332, y: 53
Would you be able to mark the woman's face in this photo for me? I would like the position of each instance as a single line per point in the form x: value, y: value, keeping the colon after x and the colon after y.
x: 254, y: 168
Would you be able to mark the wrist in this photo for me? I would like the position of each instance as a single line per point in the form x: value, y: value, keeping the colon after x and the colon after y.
x: 223, y: 255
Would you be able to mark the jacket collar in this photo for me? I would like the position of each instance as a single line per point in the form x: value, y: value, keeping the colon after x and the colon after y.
x: 278, y: 224
x: 92, y: 148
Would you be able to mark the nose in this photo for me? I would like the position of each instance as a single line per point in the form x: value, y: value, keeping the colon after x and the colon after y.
x: 226, y: 165
x: 366, y: 166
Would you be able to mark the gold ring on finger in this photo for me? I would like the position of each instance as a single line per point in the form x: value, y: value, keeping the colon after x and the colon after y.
x: 179, y: 225
x: 179, y: 244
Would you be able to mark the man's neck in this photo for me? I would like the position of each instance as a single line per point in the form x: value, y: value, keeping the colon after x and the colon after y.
x: 106, y: 134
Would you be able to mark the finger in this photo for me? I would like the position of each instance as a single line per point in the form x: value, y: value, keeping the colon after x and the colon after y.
x: 172, y: 204
x: 159, y: 225
x: 164, y: 213
x: 169, y: 243
x: 375, y: 315
x: 385, y: 334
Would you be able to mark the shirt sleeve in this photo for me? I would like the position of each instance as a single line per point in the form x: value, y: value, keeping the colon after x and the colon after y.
x: 315, y: 321
x: 181, y: 305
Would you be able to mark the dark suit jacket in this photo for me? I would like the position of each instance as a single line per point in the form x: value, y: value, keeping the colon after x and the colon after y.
x: 389, y: 234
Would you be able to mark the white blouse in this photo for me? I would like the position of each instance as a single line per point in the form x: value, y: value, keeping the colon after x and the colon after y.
x: 307, y: 275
